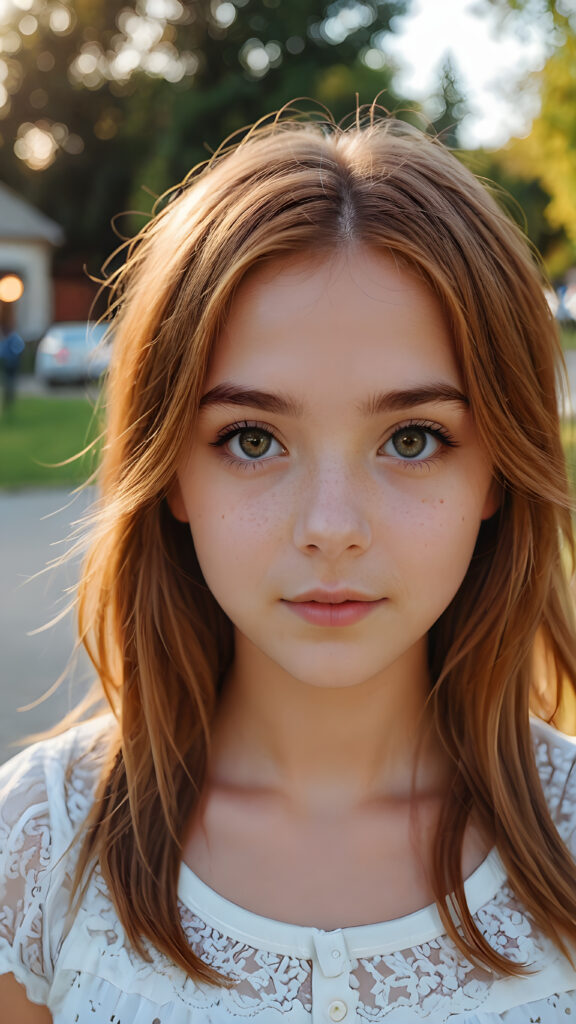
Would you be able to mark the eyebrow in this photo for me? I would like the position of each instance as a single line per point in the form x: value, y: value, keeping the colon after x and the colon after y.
x: 229, y: 393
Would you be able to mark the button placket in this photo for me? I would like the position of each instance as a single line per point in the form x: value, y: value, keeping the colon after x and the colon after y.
x: 334, y: 1000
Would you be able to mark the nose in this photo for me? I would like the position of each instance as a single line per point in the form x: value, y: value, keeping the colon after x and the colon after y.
x: 332, y: 514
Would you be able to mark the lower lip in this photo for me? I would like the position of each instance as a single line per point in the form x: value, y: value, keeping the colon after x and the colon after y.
x: 344, y: 614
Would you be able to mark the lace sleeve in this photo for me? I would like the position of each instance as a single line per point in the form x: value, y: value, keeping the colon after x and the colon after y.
x: 556, y: 762
x: 566, y: 816
x: 45, y: 795
x: 25, y: 856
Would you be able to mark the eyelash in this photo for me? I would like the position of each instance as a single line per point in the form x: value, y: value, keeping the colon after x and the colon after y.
x: 227, y: 433
x: 440, y: 433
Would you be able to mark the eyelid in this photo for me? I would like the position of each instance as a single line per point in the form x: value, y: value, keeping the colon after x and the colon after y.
x: 229, y: 432
x: 225, y: 433
x: 432, y: 426
x: 441, y: 433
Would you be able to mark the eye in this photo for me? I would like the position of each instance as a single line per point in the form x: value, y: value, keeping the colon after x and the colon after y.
x: 253, y: 443
x: 417, y: 442
x: 249, y: 443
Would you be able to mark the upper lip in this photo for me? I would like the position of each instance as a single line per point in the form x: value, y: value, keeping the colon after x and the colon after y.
x: 331, y: 596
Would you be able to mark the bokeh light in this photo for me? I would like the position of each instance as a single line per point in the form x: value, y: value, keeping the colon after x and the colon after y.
x: 11, y: 288
x: 36, y: 146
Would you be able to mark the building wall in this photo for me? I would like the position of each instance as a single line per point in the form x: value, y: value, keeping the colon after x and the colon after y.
x: 32, y: 262
x: 75, y: 299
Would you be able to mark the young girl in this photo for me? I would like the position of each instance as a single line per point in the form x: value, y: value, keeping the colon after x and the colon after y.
x: 326, y: 582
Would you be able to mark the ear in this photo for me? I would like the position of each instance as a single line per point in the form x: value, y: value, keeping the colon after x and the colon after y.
x: 493, y: 500
x: 175, y: 501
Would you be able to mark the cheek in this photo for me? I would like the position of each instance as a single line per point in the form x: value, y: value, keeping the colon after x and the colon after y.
x: 435, y: 539
x: 232, y: 538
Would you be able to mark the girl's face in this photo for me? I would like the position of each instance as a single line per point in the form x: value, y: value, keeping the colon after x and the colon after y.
x: 335, y: 483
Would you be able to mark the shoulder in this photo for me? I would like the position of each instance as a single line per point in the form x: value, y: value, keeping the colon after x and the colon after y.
x: 57, y: 776
x: 555, y: 755
x: 45, y: 794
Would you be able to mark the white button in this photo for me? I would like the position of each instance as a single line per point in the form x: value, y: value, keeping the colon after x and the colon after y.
x: 337, y: 1010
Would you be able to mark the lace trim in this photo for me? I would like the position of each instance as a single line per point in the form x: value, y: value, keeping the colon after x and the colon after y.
x: 427, y: 979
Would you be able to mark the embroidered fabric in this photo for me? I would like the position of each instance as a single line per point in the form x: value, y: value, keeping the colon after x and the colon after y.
x: 83, y: 969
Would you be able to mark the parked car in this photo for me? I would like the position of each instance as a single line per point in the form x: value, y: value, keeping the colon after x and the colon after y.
x: 71, y: 353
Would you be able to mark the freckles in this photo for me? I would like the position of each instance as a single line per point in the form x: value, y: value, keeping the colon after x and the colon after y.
x: 269, y: 513
x: 434, y: 515
x: 257, y: 522
x: 433, y: 502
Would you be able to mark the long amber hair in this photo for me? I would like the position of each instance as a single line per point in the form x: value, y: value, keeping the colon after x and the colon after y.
x: 160, y: 642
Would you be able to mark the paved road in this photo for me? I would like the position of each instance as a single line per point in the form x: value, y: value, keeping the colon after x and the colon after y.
x: 28, y: 384
x: 34, y: 526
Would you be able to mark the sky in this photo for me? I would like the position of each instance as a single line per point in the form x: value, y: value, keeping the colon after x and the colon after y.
x: 490, y: 60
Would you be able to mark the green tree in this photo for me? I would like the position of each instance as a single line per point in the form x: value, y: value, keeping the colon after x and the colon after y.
x: 520, y: 193
x: 550, y: 149
x: 548, y: 154
x: 102, y: 102
x: 448, y: 107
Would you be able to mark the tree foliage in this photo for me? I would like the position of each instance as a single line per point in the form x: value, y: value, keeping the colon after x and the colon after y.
x: 523, y: 197
x: 448, y: 107
x: 101, y: 101
x: 548, y: 154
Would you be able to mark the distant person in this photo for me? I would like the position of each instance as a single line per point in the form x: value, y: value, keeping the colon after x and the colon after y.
x: 11, y: 349
x: 563, y: 312
x: 327, y: 582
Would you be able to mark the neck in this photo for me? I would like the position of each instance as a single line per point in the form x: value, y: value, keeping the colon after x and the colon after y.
x: 326, y: 747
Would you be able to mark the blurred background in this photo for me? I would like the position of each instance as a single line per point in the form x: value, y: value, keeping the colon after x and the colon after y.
x: 105, y: 104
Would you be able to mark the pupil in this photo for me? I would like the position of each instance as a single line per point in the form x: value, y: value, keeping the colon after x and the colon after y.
x: 410, y: 443
x: 254, y: 442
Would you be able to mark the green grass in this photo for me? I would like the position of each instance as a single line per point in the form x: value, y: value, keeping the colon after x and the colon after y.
x: 39, y: 432
x: 568, y: 337
x: 569, y: 442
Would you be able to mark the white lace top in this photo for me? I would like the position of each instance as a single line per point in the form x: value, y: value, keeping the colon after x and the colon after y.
x: 402, y: 971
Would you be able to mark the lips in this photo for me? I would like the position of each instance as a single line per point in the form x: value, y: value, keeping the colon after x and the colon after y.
x: 333, y: 608
x: 332, y: 597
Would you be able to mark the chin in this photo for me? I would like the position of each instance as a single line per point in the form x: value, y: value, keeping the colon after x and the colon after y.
x: 336, y: 674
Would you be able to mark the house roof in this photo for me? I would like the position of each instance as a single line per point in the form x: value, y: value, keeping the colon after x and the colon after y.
x: 20, y: 220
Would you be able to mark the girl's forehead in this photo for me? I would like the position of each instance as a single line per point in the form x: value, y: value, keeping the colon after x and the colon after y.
x: 333, y: 319
x: 375, y: 275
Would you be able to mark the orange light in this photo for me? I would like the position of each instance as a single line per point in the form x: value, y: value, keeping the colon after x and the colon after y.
x: 11, y: 288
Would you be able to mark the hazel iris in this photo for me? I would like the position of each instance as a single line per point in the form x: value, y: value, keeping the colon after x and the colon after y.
x: 410, y: 443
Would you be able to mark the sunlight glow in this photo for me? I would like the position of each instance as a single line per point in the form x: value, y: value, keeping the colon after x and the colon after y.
x: 10, y: 42
x: 491, y: 59
x: 35, y: 146
x: 11, y: 288
x: 225, y: 14
x: 60, y: 19
x: 28, y: 25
